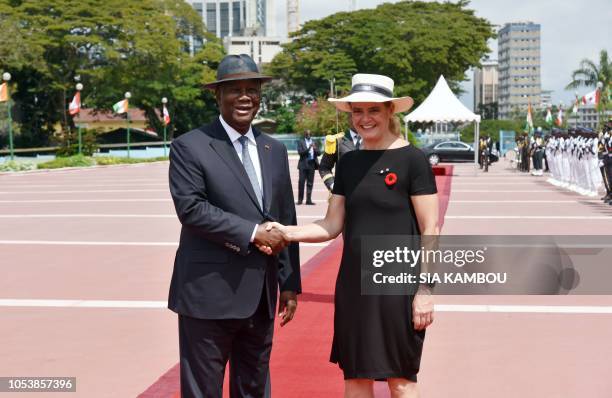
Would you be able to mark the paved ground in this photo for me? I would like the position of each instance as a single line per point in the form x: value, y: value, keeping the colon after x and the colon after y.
x: 86, y: 258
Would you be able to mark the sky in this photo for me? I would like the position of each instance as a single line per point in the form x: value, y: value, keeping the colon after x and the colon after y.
x: 570, y: 32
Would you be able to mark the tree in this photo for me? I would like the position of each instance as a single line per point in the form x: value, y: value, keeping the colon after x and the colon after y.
x: 488, y: 111
x: 412, y: 42
x: 141, y: 46
x: 320, y: 118
x: 589, y: 74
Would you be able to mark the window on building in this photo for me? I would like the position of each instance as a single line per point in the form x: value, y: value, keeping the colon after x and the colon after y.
x: 224, y: 14
x: 211, y: 17
x: 199, y: 9
x: 236, y: 24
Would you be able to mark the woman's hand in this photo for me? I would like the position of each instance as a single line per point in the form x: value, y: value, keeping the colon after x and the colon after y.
x: 284, y: 230
x: 422, y: 309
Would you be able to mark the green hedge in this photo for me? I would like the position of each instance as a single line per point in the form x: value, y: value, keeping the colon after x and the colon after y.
x: 16, y: 166
x: 109, y: 160
x: 72, y: 161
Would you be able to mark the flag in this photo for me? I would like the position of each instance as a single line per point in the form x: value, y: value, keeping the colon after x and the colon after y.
x: 548, y: 119
x: 576, y: 103
x: 591, y: 98
x: 121, y: 106
x: 166, y: 116
x: 75, y: 105
x: 559, y: 120
x: 529, y: 120
x: 3, y: 92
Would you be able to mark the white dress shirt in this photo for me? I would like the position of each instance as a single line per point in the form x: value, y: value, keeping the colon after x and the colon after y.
x: 355, y: 137
x: 252, y: 148
x: 311, y: 149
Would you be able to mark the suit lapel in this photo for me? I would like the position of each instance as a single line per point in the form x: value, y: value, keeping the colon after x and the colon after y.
x: 265, y: 160
x: 225, y: 149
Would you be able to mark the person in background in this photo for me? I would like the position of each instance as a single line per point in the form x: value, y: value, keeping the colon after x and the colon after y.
x: 308, y: 163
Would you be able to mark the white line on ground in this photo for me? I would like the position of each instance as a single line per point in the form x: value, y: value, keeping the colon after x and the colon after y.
x: 86, y: 200
x: 110, y: 216
x: 111, y: 243
x: 522, y: 182
x: 87, y: 191
x: 482, y: 308
x: 87, y: 216
x: 507, y: 191
x: 516, y: 201
x: 98, y: 180
x: 526, y: 309
x: 530, y: 217
x: 80, y: 185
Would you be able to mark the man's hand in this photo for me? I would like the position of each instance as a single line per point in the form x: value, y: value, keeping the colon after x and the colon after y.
x: 287, y: 304
x: 269, y: 240
x: 422, y: 309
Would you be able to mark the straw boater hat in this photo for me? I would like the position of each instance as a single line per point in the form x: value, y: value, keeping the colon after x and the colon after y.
x: 372, y: 88
x: 237, y: 67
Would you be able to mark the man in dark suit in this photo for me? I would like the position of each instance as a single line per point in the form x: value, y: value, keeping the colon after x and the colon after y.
x: 337, y: 145
x: 308, y: 163
x: 227, y: 181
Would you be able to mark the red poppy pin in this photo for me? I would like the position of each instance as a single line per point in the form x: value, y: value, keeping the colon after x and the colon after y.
x: 390, y: 177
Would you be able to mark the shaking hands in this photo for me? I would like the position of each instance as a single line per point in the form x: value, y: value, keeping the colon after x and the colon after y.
x: 271, y: 238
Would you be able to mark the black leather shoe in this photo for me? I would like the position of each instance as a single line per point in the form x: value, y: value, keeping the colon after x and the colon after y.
x: 298, y: 203
x: 310, y: 203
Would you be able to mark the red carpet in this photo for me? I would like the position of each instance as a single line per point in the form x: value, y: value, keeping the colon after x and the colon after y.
x: 300, y: 366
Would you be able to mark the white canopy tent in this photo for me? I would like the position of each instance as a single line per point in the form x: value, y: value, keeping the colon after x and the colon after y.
x: 441, y: 105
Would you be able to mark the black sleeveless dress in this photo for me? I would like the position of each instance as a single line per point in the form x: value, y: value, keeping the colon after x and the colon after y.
x: 374, y: 337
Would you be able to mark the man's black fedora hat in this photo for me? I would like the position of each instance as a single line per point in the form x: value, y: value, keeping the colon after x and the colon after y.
x: 237, y: 67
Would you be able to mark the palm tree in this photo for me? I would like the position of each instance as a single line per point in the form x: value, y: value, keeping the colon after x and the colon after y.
x: 589, y: 75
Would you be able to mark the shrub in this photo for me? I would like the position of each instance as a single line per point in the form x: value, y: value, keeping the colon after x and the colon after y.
x: 12, y: 165
x: 72, y: 161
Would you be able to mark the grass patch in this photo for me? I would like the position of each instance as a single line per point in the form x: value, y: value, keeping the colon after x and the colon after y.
x: 110, y: 160
x: 12, y: 165
x: 87, y: 161
x: 72, y: 161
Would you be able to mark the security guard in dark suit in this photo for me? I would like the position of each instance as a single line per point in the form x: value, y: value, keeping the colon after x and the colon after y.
x: 336, y: 145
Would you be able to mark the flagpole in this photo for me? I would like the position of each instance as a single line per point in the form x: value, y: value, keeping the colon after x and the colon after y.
x: 128, y: 95
x: 79, y: 87
x: 7, y: 77
x: 164, y: 102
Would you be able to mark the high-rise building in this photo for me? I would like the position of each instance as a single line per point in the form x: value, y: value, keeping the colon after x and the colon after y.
x: 237, y: 17
x: 519, y: 67
x: 261, y: 49
x: 485, y: 84
x: 293, y: 16
x: 545, y: 99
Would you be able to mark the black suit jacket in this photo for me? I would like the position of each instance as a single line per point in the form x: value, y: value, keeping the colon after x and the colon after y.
x: 218, y: 274
x: 303, y: 152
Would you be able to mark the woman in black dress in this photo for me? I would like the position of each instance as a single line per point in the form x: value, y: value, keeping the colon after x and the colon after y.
x: 386, y: 188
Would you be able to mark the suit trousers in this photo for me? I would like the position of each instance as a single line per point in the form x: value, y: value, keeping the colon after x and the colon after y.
x: 206, y: 346
x: 306, y: 177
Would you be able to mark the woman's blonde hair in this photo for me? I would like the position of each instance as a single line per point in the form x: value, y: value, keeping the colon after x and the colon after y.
x: 395, y: 127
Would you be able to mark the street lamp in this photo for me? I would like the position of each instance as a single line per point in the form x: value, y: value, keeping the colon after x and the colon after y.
x: 128, y: 95
x: 79, y: 87
x: 7, y: 77
x: 164, y: 102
